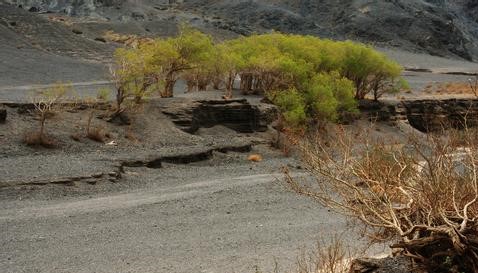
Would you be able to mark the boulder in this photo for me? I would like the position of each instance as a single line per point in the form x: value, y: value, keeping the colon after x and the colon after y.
x: 120, y: 119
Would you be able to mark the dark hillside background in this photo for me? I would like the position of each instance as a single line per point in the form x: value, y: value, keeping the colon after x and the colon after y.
x: 438, y: 27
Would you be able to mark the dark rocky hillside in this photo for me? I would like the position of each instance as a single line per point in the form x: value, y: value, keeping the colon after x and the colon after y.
x: 438, y: 27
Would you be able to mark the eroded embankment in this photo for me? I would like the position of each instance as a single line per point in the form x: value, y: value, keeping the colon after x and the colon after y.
x: 153, y: 139
x: 237, y: 114
x: 94, y: 163
x: 91, y: 171
x: 425, y: 115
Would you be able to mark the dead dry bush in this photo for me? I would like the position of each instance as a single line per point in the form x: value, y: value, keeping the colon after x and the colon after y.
x: 96, y: 134
x: 129, y: 40
x: 327, y: 256
x: 332, y: 257
x: 454, y: 88
x: 46, y: 105
x: 422, y: 196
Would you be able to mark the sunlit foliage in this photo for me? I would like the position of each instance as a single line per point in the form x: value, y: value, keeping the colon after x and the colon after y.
x: 307, y: 77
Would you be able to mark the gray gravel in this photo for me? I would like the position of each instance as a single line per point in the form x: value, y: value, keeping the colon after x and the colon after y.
x: 198, y: 218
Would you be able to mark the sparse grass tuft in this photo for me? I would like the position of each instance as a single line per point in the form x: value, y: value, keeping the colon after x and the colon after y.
x: 325, y: 258
x: 96, y: 134
x: 37, y: 139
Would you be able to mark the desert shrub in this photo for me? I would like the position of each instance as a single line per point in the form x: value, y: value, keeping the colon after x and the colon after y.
x: 131, y: 77
x: 422, y: 196
x: 327, y: 257
x: 277, y: 60
x: 293, y: 107
x: 158, y: 64
x: 103, y: 94
x: 93, y: 104
x: 322, y: 98
x: 96, y: 134
x: 40, y: 139
x: 320, y: 71
x: 46, y: 105
x: 370, y: 70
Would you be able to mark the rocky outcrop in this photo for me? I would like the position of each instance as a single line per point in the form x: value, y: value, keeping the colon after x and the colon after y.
x: 386, y: 265
x: 237, y: 114
x: 427, y: 115
x: 436, y: 115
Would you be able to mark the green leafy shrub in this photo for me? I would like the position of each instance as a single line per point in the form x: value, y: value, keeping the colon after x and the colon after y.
x: 308, y: 77
x: 322, y: 98
x: 159, y: 63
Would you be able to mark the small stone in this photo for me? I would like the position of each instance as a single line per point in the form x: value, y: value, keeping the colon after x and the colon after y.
x: 91, y: 181
x: 77, y: 31
x: 100, y: 39
x: 3, y: 115
x: 97, y: 175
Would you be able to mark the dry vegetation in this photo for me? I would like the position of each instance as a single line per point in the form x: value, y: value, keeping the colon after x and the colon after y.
x: 96, y: 133
x: 332, y: 257
x: 129, y: 40
x: 85, y: 117
x: 454, y: 88
x: 422, y: 197
x: 46, y: 105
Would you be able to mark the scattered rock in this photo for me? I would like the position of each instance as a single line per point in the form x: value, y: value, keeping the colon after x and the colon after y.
x: 77, y: 31
x: 100, y: 39
x: 254, y: 158
x: 91, y: 181
x: 76, y: 137
x: 120, y: 119
x: 97, y: 175
x: 112, y: 143
x: 3, y: 115
x: 386, y: 265
x: 161, y: 7
x: 138, y: 15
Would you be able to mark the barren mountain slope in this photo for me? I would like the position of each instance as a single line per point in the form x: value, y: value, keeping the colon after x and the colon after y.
x: 439, y: 27
x: 35, y: 50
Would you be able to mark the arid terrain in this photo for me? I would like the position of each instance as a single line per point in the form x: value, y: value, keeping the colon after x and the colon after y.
x: 172, y: 189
